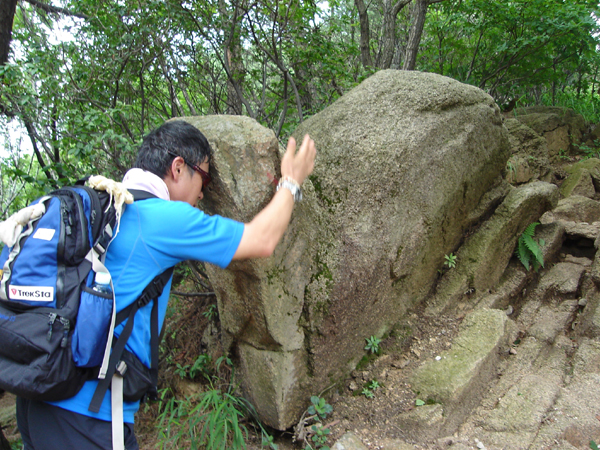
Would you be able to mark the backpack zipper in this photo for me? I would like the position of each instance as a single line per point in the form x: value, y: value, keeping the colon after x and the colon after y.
x: 66, y: 323
x: 51, y: 319
x: 82, y: 222
x: 95, y: 208
x: 66, y: 327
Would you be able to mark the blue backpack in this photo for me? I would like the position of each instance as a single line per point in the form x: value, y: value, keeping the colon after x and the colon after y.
x: 56, y: 331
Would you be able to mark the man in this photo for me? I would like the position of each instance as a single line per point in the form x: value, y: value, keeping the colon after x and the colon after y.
x: 155, y: 234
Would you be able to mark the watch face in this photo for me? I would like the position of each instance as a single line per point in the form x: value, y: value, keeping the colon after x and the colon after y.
x: 294, y: 189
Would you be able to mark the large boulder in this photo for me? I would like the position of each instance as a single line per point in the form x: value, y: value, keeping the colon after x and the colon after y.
x: 583, y: 178
x: 529, y: 158
x: 563, y: 128
x: 403, y: 160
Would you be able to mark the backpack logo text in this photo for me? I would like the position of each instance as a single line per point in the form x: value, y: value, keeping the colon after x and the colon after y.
x: 32, y: 293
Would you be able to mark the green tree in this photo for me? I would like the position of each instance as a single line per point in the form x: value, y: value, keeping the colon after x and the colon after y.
x: 85, y: 103
x: 515, y: 48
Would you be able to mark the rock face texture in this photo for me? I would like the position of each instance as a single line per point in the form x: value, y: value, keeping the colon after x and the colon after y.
x: 485, y: 254
x: 403, y: 161
x: 562, y: 128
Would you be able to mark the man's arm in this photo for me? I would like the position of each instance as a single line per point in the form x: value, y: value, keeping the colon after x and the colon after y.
x: 264, y: 232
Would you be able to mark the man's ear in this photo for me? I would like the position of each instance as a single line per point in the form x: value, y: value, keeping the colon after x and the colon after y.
x: 177, y: 167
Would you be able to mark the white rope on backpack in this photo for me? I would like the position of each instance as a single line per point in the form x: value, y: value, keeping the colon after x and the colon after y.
x: 11, y: 228
x: 118, y: 193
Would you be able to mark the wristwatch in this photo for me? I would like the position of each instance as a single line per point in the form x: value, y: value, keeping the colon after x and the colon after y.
x: 292, y: 186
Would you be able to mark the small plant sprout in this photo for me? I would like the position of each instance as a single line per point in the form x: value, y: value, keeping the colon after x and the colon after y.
x: 211, y: 312
x: 510, y: 167
x: 450, y: 260
x: 314, y: 437
x: 529, y: 251
x: 590, y: 152
x: 373, y: 344
x: 419, y: 402
x: 374, y: 384
x: 182, y: 371
x: 371, y: 387
x: 320, y: 437
x: 562, y: 154
x: 200, y: 366
x: 319, y: 407
x: 267, y: 441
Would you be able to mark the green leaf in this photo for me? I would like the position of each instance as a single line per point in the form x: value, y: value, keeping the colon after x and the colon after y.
x: 530, y: 230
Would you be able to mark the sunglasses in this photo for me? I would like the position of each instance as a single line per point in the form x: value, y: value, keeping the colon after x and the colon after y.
x: 205, y: 175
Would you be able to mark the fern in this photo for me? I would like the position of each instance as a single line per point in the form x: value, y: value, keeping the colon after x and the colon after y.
x: 523, y: 253
x: 529, y: 251
x: 530, y: 230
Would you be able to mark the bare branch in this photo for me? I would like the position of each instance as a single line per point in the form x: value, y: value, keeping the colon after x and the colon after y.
x: 193, y: 294
x: 55, y: 9
x: 33, y: 137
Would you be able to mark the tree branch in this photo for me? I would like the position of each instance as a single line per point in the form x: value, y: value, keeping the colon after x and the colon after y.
x: 193, y: 294
x: 516, y: 58
x: 55, y: 9
x: 277, y: 60
x: 38, y: 155
x: 401, y: 4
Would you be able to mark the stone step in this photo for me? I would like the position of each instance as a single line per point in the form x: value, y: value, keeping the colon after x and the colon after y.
x: 514, y: 407
x: 573, y: 421
x: 455, y: 380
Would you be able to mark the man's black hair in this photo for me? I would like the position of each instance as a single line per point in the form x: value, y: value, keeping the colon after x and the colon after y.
x: 177, y: 137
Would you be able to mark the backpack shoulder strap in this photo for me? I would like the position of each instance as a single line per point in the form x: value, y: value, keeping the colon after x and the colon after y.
x: 150, y: 293
x: 139, y: 194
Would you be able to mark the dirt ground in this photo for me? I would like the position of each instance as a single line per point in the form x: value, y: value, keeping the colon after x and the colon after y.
x: 371, y: 419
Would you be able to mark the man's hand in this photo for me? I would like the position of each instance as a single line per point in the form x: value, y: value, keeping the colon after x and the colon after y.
x: 298, y: 166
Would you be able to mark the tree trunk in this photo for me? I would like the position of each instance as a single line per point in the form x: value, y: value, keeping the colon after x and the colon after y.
x: 418, y: 11
x: 365, y: 34
x: 7, y: 15
x: 236, y: 66
x: 232, y: 60
x: 417, y: 15
x: 388, y: 37
x: 388, y: 45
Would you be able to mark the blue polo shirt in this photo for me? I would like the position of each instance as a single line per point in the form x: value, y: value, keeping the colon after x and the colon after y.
x: 154, y: 235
